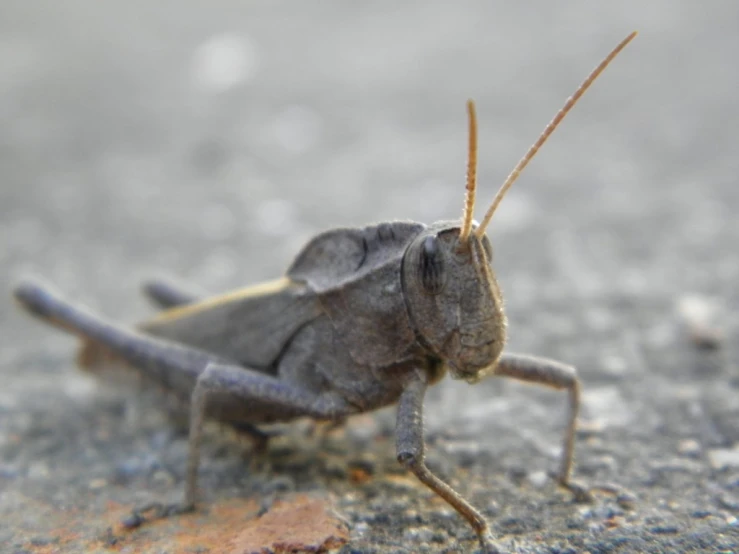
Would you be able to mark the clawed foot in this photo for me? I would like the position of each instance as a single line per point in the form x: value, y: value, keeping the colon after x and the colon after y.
x: 154, y: 511
x: 624, y: 497
x: 487, y: 546
x: 581, y: 493
x: 584, y: 494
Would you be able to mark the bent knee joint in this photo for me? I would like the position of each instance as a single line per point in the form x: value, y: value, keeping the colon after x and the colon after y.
x: 566, y: 375
x: 558, y: 377
x: 205, y: 382
x: 410, y: 460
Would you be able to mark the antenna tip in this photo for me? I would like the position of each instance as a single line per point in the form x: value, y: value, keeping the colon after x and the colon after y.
x: 629, y: 37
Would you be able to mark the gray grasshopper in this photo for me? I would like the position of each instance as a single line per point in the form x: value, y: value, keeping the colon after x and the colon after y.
x: 364, y: 318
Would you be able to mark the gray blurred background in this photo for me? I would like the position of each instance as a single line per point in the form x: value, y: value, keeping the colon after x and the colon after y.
x: 211, y: 140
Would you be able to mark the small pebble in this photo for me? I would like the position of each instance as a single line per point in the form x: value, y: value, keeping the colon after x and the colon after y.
x: 538, y: 479
x: 665, y: 529
x: 729, y: 502
x: 626, y: 500
x: 133, y: 521
x: 614, y: 522
x: 97, y: 484
x: 698, y: 314
x: 419, y: 534
x: 689, y: 447
x: 723, y: 458
x: 360, y: 529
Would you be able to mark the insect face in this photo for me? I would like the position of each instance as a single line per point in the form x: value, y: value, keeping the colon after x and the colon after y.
x: 453, y: 299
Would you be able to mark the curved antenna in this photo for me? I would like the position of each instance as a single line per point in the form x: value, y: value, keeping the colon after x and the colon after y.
x: 548, y: 130
x: 469, y: 198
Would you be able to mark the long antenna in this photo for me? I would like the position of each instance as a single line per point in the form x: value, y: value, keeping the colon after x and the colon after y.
x: 469, y: 199
x: 548, y: 130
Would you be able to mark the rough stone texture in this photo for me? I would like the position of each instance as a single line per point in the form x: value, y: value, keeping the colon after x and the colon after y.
x: 302, y: 525
x: 211, y: 142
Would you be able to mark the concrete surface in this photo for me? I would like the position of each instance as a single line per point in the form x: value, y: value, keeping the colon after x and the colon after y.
x: 210, y: 141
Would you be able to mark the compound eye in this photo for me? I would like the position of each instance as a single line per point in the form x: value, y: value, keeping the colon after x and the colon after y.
x: 431, y: 269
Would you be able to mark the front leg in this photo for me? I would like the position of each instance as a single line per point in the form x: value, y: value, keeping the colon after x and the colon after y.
x: 559, y: 376
x: 411, y: 452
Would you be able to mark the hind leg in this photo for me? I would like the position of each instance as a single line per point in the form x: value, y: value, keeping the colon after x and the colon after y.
x: 173, y: 366
x: 167, y: 294
x: 192, y: 373
x: 236, y: 384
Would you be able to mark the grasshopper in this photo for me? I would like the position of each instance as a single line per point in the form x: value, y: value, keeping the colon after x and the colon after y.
x: 364, y: 318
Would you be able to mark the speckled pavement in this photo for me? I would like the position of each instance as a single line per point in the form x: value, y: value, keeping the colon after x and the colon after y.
x: 211, y: 142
